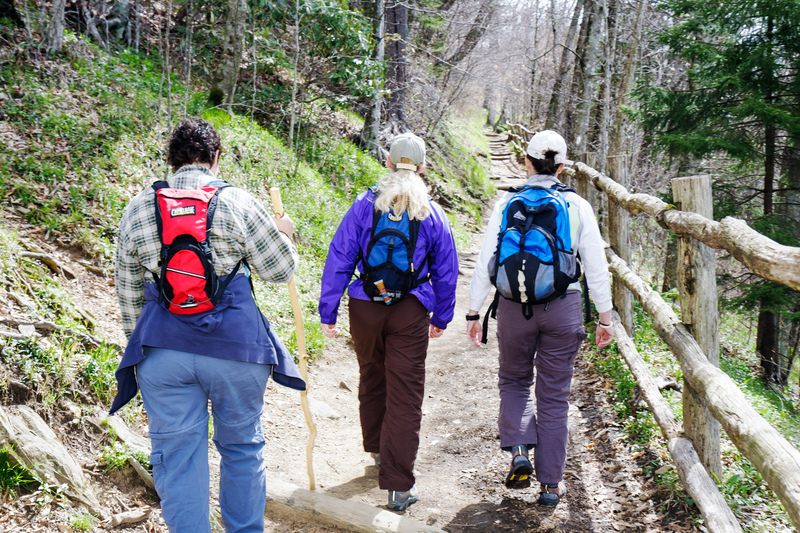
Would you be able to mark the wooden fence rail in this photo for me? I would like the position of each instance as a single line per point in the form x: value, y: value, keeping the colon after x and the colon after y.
x: 519, y: 134
x: 698, y: 483
x: 760, y: 254
x: 772, y: 455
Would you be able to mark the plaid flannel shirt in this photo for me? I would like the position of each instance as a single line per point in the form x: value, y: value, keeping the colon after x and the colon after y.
x: 242, y: 228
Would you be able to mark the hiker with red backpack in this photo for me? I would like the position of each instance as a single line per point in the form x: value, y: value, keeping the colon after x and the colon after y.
x: 185, y: 253
x: 534, y: 239
x: 403, y: 246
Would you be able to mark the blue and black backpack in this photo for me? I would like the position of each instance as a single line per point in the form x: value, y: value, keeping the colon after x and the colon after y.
x: 534, y: 262
x: 387, y: 267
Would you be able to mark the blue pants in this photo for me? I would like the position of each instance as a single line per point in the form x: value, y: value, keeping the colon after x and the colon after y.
x: 176, y: 387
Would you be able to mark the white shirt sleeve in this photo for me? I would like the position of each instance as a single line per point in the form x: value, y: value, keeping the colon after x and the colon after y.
x: 591, y: 247
x: 480, y: 286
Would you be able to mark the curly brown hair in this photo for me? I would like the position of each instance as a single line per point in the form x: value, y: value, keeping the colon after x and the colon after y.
x: 193, y: 141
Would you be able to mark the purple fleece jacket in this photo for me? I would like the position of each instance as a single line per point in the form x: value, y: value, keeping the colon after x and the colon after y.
x: 435, y: 236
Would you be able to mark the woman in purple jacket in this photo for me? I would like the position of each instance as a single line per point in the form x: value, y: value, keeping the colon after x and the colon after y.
x: 391, y: 332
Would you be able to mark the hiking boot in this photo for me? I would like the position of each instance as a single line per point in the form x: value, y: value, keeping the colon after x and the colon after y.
x: 377, y: 458
x: 521, y: 469
x: 400, y: 500
x: 551, y: 493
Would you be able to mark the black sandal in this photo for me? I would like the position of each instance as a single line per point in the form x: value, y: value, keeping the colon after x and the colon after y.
x: 519, y: 477
x: 551, y: 499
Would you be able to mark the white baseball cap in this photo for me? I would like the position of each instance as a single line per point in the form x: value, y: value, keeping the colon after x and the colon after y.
x: 548, y: 141
x: 407, y: 146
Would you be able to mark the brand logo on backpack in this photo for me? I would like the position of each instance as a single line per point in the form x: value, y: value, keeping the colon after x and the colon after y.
x: 534, y: 262
x: 387, y: 267
x: 183, y: 211
x: 188, y: 283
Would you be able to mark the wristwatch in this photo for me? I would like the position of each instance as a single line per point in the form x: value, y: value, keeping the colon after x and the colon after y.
x: 474, y: 317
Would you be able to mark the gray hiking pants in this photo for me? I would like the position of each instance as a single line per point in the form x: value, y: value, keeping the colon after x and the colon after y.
x: 548, y: 341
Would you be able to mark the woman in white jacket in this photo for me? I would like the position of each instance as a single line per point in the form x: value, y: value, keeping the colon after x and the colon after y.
x: 549, y: 340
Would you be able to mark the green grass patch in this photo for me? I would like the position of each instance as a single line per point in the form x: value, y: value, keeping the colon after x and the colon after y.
x: 116, y: 457
x: 13, y: 476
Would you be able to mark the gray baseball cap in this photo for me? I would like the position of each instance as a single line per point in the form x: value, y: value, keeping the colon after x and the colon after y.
x: 407, y: 146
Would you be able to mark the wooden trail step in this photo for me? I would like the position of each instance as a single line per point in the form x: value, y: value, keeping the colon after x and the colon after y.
x: 285, y: 498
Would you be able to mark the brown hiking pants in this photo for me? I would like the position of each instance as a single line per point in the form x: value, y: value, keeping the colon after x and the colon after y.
x: 391, y: 343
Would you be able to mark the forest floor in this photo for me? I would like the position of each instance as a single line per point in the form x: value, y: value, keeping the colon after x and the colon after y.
x: 460, y: 468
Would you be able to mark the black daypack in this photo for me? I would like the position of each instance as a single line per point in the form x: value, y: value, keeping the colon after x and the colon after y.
x: 387, y: 267
x: 188, y: 283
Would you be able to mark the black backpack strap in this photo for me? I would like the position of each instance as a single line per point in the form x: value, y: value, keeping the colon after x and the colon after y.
x: 212, y: 206
x: 491, y: 311
x: 560, y: 187
x: 527, y: 310
x: 223, y: 284
x: 157, y: 186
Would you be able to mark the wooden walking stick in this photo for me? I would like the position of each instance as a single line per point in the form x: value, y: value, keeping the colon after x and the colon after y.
x: 277, y: 208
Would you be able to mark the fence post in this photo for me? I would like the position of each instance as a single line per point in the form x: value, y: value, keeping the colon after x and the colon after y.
x: 619, y: 239
x: 697, y: 285
x: 585, y: 188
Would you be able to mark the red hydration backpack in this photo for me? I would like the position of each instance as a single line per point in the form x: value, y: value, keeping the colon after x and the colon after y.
x: 188, y: 283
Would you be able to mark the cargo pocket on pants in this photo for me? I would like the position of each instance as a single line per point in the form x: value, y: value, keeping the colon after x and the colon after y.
x: 159, y: 473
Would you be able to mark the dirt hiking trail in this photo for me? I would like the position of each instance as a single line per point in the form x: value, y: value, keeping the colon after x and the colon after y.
x: 460, y: 468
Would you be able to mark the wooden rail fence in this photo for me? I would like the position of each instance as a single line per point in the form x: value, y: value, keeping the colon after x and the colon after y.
x: 711, y: 398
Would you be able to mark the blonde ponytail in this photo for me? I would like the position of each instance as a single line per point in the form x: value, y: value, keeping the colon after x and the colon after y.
x: 403, y: 191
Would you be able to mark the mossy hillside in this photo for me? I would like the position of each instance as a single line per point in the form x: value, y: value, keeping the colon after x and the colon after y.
x: 87, y: 132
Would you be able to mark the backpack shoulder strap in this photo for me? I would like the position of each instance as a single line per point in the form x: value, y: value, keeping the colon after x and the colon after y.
x: 157, y: 186
x: 560, y: 187
x: 212, y: 204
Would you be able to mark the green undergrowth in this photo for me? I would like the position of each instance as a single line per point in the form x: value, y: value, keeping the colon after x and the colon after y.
x: 745, y: 490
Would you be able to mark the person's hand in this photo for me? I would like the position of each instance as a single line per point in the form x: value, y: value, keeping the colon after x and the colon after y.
x: 284, y: 225
x: 604, y: 335
x: 474, y: 331
x: 435, y: 332
x: 329, y: 330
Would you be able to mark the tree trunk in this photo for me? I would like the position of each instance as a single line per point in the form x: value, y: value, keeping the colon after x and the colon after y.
x: 54, y: 36
x: 610, y: 9
x: 223, y: 87
x: 370, y: 135
x: 575, y: 82
x: 476, y: 31
x: 626, y: 79
x: 766, y: 344
x: 554, y: 111
x: 583, y: 110
x: 791, y: 214
x: 767, y: 335
x: 490, y: 103
x: 397, y: 34
x: 670, y: 264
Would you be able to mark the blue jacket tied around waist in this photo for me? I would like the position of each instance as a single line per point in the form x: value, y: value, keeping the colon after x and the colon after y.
x: 234, y: 330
